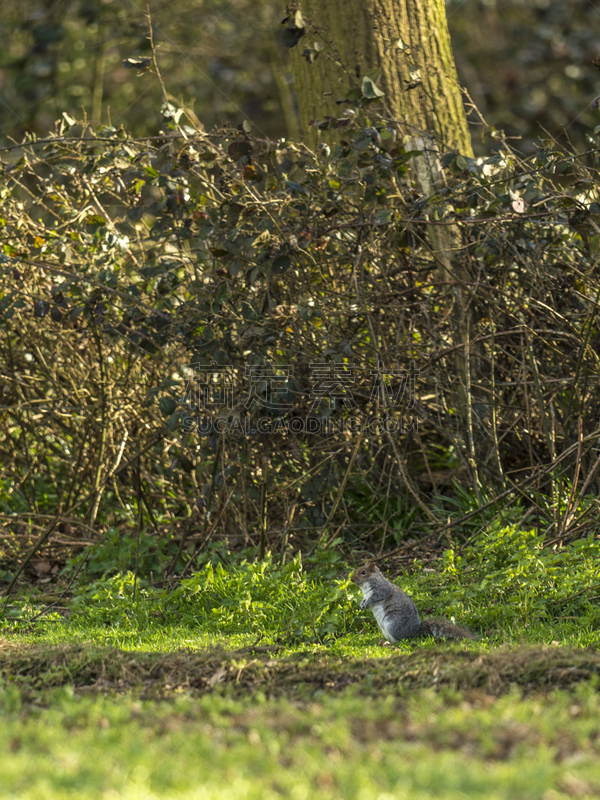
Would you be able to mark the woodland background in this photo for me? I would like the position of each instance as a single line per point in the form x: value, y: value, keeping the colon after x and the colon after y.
x: 527, y: 64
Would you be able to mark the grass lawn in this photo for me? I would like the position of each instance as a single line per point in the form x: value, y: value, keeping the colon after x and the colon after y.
x: 260, y: 681
x: 89, y: 722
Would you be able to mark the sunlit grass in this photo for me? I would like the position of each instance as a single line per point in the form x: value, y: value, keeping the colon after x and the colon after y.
x: 426, y: 746
x: 275, y: 684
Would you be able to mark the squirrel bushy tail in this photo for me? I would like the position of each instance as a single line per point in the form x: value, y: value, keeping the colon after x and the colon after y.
x: 443, y: 629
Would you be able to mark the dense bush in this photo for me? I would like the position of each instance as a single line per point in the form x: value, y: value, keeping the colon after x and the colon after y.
x: 134, y: 268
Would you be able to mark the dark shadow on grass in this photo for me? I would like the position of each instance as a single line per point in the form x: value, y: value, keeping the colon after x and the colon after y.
x: 87, y: 667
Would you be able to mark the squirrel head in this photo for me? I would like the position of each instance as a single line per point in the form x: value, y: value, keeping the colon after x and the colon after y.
x: 362, y: 574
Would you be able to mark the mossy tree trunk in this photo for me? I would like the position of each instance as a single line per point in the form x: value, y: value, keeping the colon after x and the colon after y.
x: 403, y: 44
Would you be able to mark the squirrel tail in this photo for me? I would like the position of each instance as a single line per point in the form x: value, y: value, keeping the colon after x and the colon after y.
x: 443, y: 629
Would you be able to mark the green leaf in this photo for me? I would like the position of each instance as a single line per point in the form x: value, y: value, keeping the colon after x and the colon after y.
x: 370, y: 90
x: 383, y: 216
x: 167, y: 405
x: 281, y: 264
x: 173, y: 421
x: 291, y: 36
x: 310, y: 55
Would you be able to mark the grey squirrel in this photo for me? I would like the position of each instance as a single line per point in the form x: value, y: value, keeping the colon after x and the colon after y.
x: 395, y: 613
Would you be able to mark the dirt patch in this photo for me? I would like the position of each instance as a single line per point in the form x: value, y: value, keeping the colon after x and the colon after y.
x: 39, y: 667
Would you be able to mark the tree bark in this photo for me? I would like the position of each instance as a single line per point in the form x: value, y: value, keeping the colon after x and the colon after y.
x: 404, y: 45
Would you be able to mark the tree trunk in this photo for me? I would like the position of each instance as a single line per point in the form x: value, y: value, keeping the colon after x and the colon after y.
x: 404, y: 45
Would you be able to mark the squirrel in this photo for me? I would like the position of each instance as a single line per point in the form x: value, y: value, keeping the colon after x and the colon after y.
x: 395, y: 612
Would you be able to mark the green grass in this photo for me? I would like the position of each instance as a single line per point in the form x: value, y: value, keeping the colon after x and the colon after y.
x: 263, y: 681
x: 429, y: 745
x: 507, y: 587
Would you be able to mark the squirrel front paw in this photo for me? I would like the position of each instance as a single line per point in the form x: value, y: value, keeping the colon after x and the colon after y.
x: 363, y: 603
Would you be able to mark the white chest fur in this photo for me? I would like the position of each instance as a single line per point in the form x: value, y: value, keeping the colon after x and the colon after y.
x: 367, y: 591
x: 378, y: 612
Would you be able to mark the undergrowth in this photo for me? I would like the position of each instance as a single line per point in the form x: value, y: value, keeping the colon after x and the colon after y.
x: 507, y: 586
